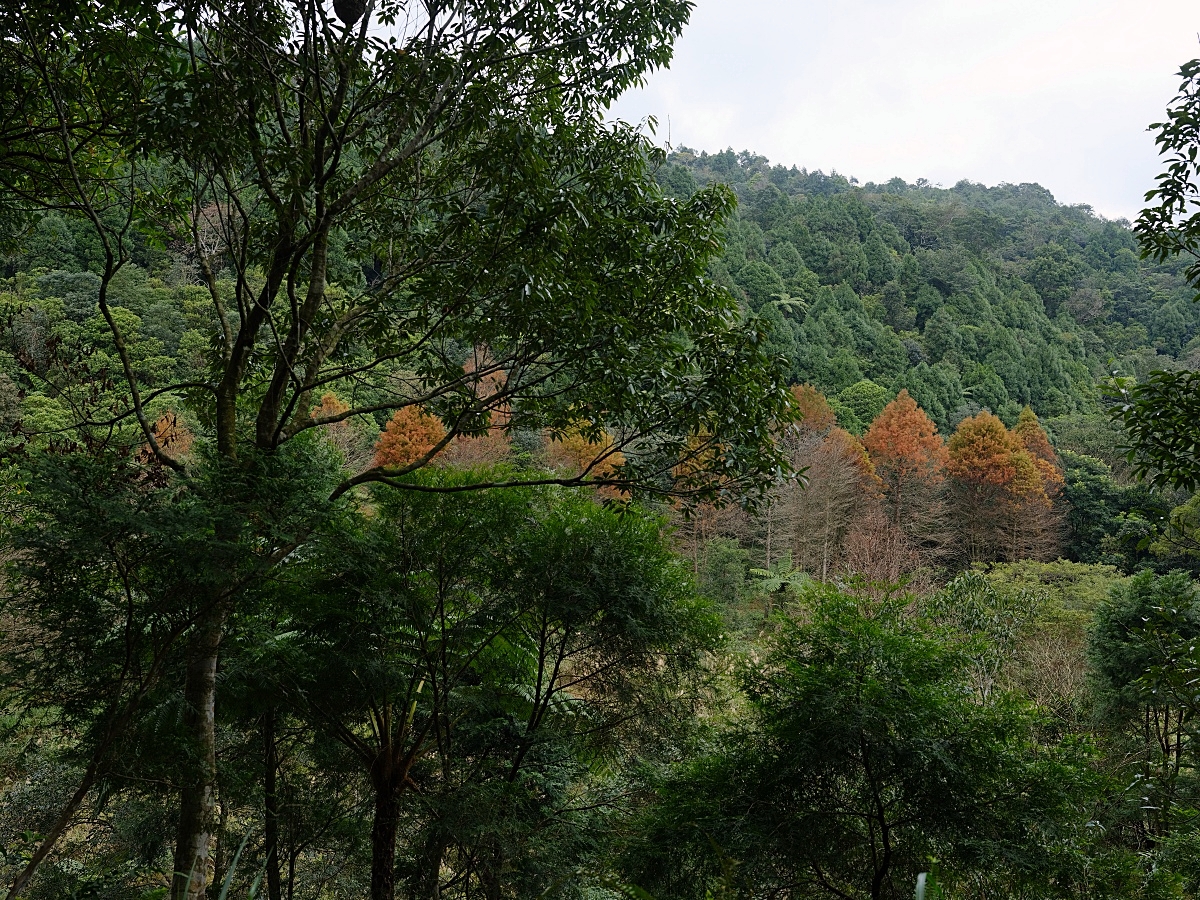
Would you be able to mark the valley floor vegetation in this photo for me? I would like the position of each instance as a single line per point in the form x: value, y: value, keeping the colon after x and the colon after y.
x: 414, y: 487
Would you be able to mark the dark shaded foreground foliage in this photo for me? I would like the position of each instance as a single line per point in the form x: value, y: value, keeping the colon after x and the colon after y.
x: 444, y: 690
x: 421, y: 212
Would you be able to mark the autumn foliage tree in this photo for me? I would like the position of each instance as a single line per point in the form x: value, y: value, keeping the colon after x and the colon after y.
x: 474, y: 451
x: 903, y: 502
x: 173, y: 436
x: 1038, y: 527
x: 817, y: 415
x: 813, y: 518
x: 492, y: 444
x: 997, y: 486
x: 410, y: 436
x: 577, y: 453
x: 1037, y: 444
x: 910, y: 459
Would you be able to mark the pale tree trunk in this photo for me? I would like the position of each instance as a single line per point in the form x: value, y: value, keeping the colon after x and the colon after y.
x: 271, y: 804
x: 825, y: 531
x: 768, y: 514
x: 198, y: 793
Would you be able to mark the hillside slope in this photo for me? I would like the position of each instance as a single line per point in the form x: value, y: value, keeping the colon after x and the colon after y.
x: 970, y: 297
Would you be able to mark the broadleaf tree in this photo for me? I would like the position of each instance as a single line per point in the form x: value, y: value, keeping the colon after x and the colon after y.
x: 1160, y: 414
x: 367, y: 206
x: 462, y: 648
x: 859, y: 752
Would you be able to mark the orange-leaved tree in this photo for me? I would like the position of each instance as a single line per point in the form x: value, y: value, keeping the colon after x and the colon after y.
x: 909, y: 456
x: 817, y: 414
x: 174, y: 438
x: 578, y: 452
x: 1038, y: 527
x: 489, y: 385
x: 410, y: 436
x: 1036, y: 442
x: 995, y: 481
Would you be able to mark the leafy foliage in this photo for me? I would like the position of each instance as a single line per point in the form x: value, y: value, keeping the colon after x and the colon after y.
x: 908, y: 453
x: 1136, y: 650
x: 409, y: 436
x: 1171, y: 227
x: 356, y: 211
x: 851, y: 804
x: 1160, y: 413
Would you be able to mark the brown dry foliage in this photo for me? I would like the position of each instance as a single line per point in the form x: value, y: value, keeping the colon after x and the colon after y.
x: 174, y: 438
x: 408, y: 437
x: 1003, y: 497
x: 488, y: 386
x: 817, y: 414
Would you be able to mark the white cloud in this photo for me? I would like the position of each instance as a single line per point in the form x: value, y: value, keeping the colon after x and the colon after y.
x: 1054, y: 91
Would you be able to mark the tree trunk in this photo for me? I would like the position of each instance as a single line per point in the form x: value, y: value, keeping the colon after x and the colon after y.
x: 426, y: 881
x: 768, y: 514
x: 271, y: 805
x: 292, y: 856
x: 383, y: 843
x: 489, y: 874
x: 221, y: 858
x: 198, y: 793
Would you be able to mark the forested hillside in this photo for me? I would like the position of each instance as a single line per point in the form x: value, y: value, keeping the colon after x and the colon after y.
x: 969, y: 297
x: 945, y: 349
x: 414, y: 486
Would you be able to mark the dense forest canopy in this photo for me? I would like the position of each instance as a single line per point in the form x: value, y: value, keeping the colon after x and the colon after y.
x: 967, y: 301
x: 970, y: 297
x: 415, y: 487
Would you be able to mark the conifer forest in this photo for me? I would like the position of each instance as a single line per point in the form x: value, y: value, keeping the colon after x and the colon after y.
x: 416, y: 485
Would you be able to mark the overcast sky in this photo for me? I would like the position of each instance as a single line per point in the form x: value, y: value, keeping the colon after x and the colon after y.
x: 1054, y: 91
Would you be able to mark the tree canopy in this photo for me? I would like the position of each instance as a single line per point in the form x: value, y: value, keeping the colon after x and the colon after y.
x: 368, y: 202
